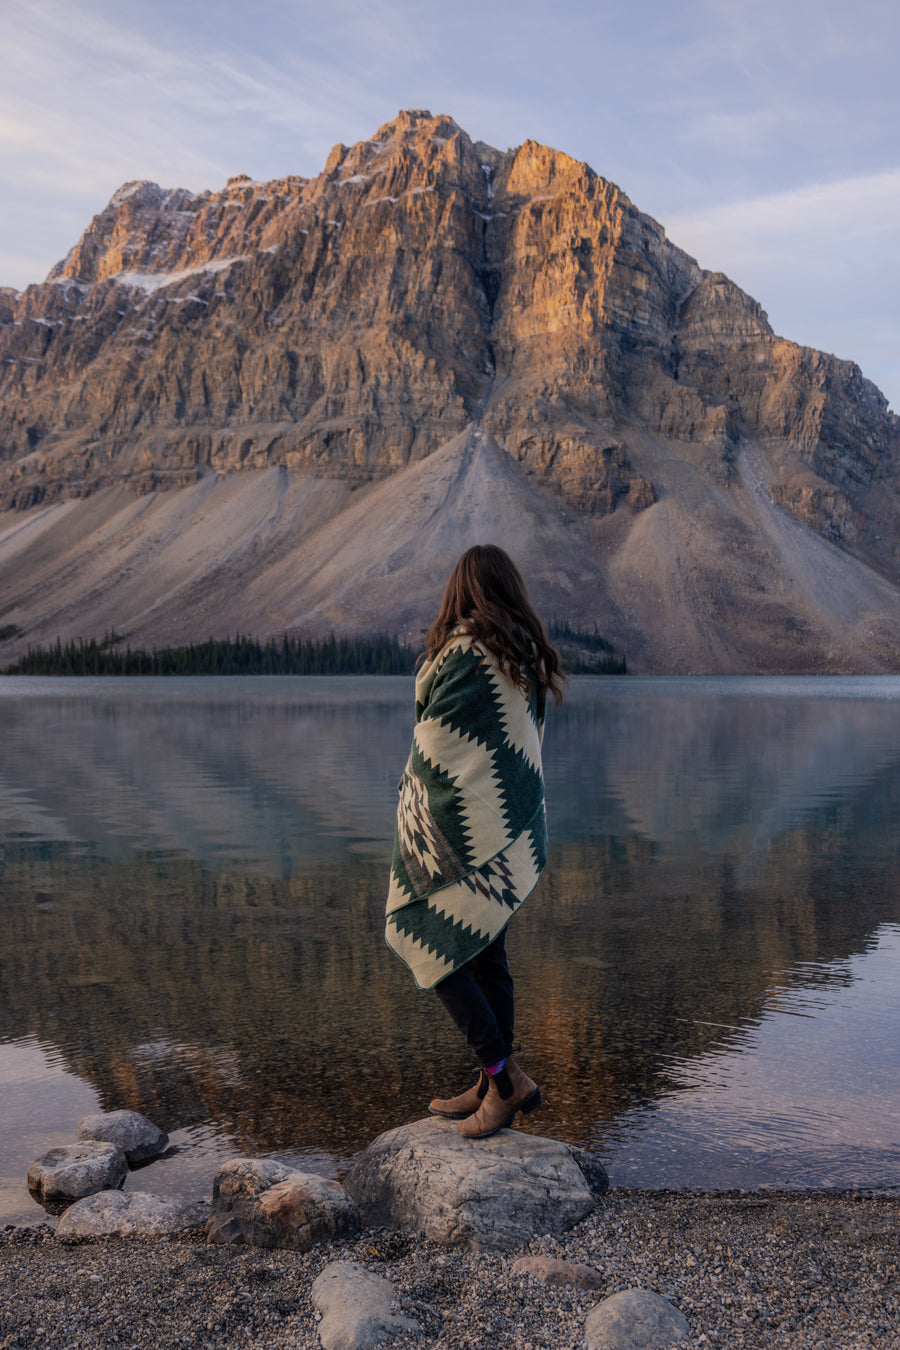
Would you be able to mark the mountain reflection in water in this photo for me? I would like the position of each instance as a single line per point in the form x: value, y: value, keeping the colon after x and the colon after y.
x: 191, y: 915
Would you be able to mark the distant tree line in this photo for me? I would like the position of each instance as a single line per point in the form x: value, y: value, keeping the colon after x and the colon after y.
x: 585, y: 651
x: 378, y: 655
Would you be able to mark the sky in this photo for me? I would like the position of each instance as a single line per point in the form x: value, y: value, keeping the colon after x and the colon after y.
x: 764, y: 135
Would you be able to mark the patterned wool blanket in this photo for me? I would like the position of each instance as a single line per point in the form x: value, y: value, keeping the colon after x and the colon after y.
x: 471, y: 837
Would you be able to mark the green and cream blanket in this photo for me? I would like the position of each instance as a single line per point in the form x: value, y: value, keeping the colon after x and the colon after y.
x: 471, y: 837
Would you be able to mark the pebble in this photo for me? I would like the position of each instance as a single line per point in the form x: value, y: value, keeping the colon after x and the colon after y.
x: 812, y: 1271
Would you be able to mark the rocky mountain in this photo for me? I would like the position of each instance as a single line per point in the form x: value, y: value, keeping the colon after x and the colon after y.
x: 291, y: 404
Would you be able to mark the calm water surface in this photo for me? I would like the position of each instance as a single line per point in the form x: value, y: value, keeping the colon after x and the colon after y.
x: 192, y: 879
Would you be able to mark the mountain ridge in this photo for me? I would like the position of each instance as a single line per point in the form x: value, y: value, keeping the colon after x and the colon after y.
x: 427, y: 291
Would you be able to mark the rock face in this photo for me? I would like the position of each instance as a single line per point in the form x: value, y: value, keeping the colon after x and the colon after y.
x: 357, y: 1308
x: 74, y: 1170
x: 117, y: 1214
x: 355, y: 321
x: 338, y: 331
x: 137, y: 1137
x: 266, y: 1204
x: 495, y: 1192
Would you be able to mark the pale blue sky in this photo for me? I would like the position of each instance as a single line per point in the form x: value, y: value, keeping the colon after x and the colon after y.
x: 763, y: 134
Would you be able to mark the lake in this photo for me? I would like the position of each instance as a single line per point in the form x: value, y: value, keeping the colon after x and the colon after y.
x: 192, y: 882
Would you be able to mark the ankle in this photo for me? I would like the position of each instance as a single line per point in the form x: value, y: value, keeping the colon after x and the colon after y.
x: 502, y: 1082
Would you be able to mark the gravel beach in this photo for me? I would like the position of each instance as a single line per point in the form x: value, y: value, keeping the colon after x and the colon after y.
x: 804, y: 1270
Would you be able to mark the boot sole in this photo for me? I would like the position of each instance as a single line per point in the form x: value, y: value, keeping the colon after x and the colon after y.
x: 450, y: 1115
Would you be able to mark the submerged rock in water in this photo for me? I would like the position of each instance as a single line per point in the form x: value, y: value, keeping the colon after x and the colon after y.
x: 115, y: 1214
x: 73, y: 1170
x: 495, y: 1192
x: 266, y: 1204
x: 137, y: 1137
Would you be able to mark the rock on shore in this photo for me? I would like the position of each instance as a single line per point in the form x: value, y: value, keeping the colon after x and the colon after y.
x: 634, y: 1319
x: 357, y: 1308
x: 115, y: 1214
x: 137, y: 1137
x: 495, y: 1192
x: 73, y: 1170
x: 266, y: 1204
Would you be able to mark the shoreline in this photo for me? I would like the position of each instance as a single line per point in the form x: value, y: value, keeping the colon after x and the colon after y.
x: 813, y: 1270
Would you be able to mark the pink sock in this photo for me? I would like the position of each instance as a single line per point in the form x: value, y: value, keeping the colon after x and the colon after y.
x: 495, y: 1068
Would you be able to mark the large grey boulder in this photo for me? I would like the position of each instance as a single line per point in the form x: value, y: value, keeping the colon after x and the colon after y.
x: 357, y: 1308
x: 137, y: 1137
x: 635, y: 1319
x: 73, y: 1170
x: 266, y: 1204
x: 117, y: 1214
x: 495, y: 1192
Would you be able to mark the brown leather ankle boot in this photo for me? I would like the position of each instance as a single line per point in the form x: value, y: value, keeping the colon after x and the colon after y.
x: 457, y: 1108
x: 510, y: 1091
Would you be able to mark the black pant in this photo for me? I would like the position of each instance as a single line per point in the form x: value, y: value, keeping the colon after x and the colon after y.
x: 479, y: 998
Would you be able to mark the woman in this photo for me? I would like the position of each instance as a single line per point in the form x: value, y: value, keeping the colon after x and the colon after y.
x: 471, y: 838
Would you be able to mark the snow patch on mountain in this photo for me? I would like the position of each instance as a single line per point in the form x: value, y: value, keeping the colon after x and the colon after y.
x: 157, y: 281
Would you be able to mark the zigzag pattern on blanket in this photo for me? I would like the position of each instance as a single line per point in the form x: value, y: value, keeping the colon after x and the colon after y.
x: 436, y: 935
x: 470, y: 842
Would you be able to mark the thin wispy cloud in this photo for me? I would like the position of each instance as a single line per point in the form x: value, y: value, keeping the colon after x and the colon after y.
x: 113, y: 95
x: 113, y: 104
x: 822, y: 259
x: 851, y: 209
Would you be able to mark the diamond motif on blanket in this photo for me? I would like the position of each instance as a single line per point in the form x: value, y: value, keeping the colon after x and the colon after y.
x: 426, y: 851
x: 494, y: 882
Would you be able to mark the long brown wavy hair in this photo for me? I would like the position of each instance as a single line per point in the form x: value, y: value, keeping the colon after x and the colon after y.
x: 487, y: 598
